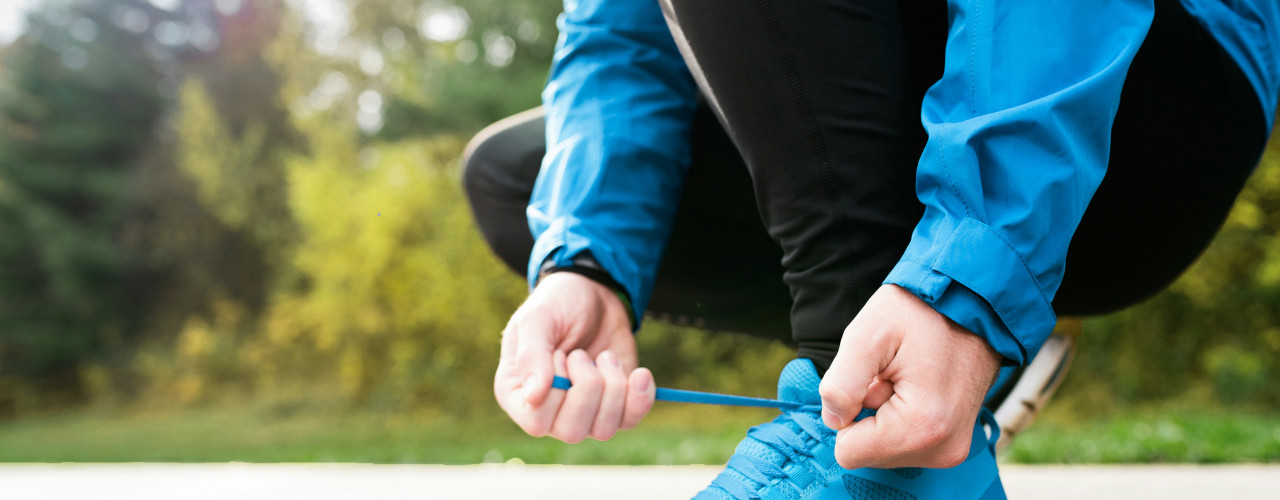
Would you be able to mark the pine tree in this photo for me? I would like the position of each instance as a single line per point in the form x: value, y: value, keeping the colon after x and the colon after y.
x: 78, y: 97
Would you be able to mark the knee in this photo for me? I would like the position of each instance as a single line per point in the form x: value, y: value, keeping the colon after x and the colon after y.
x: 499, y: 167
x: 504, y: 155
x: 478, y: 162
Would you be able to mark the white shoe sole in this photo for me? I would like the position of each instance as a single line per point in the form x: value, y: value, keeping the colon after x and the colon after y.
x: 1038, y: 382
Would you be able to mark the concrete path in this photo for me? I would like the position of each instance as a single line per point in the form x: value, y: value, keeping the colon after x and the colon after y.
x: 505, y: 482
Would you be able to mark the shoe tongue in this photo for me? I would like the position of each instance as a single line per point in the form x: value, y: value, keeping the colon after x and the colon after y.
x: 799, y: 383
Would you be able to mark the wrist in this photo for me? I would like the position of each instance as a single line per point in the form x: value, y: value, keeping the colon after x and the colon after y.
x: 586, y: 266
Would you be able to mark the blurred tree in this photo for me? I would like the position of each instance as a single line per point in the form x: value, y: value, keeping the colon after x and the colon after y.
x: 78, y: 99
x: 1214, y: 336
x: 261, y: 198
x: 103, y: 239
x: 234, y: 152
x: 436, y: 66
x: 496, y: 65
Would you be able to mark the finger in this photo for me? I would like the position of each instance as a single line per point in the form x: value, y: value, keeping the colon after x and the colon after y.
x: 878, y: 394
x: 902, y: 437
x: 534, y: 357
x: 506, y: 383
x: 845, y: 384
x: 537, y: 420
x: 578, y: 412
x: 612, y: 399
x: 509, y: 383
x: 871, y: 441
x: 640, y: 393
x: 852, y: 443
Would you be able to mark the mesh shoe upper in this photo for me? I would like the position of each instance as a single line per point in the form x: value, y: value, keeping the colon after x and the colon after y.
x: 793, y: 457
x: 786, y: 457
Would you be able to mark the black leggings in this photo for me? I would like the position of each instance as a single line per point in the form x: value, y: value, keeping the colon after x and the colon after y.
x: 806, y: 119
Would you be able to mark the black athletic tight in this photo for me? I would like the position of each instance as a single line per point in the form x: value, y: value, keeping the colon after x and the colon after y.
x: 755, y: 249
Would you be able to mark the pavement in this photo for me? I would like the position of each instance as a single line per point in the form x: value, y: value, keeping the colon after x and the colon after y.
x: 511, y: 481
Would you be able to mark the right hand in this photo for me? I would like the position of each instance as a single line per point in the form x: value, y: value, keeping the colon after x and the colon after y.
x: 568, y: 322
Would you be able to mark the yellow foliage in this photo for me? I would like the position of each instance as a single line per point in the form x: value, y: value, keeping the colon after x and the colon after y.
x: 189, y: 388
x: 1246, y: 214
x: 1216, y: 327
x: 383, y: 287
x: 195, y: 342
x: 236, y: 172
x: 218, y: 161
x: 396, y: 298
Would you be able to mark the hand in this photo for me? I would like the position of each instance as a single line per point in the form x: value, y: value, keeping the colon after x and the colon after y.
x: 568, y: 322
x: 924, y: 374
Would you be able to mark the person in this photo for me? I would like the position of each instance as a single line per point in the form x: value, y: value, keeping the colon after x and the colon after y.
x: 934, y: 183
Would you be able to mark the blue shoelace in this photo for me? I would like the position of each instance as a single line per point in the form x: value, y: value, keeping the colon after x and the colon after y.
x: 706, y: 398
x: 790, y: 442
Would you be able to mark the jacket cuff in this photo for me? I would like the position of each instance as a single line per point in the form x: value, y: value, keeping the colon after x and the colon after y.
x: 969, y: 273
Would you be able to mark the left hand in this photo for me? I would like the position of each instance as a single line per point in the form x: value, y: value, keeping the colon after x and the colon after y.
x: 573, y: 327
x: 924, y: 374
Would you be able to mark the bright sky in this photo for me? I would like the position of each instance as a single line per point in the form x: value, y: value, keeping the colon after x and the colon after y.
x: 12, y: 18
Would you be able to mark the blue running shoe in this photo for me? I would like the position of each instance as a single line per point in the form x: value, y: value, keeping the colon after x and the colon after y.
x: 793, y: 458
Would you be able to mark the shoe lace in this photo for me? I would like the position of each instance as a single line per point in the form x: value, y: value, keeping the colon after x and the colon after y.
x: 790, y: 435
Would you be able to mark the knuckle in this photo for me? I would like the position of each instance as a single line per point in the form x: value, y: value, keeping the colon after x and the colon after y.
x: 536, y: 429
x: 517, y: 318
x: 588, y: 380
x: 953, y: 457
x: 614, y: 383
x: 956, y: 458
x: 614, y: 376
x: 851, y: 329
x: 930, y: 433
x: 639, y: 406
x: 633, y: 417
x: 603, y: 433
x: 571, y: 436
x: 643, y: 407
x: 882, y: 335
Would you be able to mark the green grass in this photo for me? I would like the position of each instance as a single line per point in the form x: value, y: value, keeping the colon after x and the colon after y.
x: 1153, y: 435
x: 672, y: 435
x: 681, y: 435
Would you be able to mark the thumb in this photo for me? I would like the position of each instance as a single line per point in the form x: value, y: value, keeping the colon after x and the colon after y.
x: 534, y: 357
x: 845, y: 385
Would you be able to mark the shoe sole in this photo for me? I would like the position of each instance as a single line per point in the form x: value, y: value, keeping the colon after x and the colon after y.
x: 1036, y: 385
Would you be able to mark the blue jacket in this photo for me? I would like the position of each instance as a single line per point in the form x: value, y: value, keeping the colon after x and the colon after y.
x: 1019, y: 135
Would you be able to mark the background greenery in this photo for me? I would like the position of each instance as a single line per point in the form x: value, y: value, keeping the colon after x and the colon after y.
x: 234, y: 230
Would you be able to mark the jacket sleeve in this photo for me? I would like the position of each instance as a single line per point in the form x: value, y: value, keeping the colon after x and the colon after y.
x: 619, y: 103
x: 1019, y: 136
